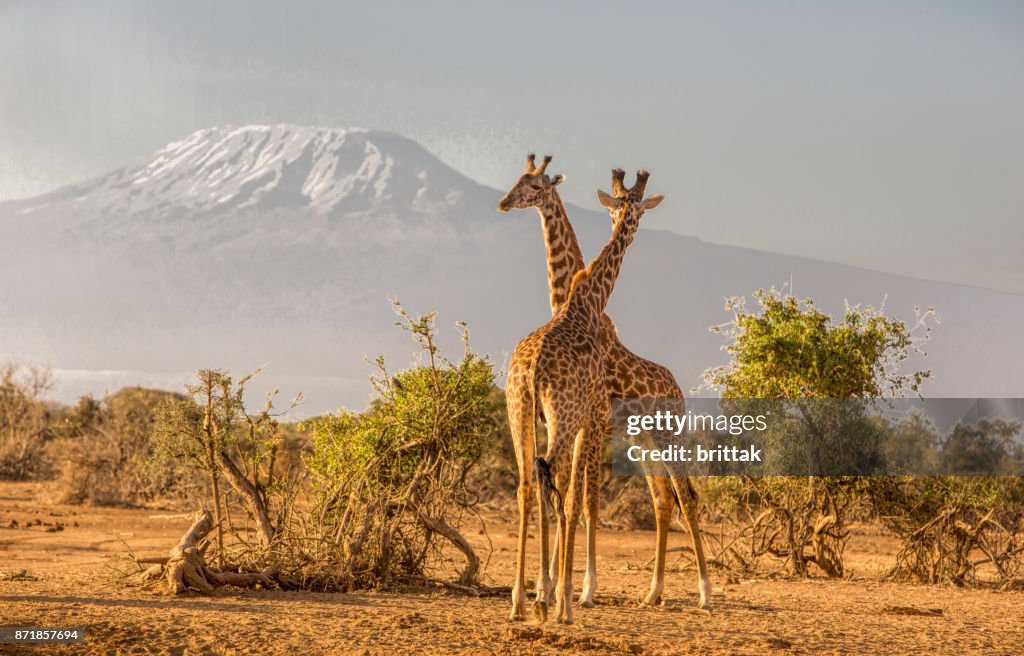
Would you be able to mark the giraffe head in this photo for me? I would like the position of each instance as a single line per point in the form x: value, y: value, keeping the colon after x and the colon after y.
x: 630, y: 201
x: 532, y: 188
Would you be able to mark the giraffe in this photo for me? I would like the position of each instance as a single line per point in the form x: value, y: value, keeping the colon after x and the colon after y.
x: 627, y: 375
x: 537, y: 189
x: 558, y: 370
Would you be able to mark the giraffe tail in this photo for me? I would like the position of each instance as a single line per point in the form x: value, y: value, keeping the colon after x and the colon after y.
x: 547, y: 483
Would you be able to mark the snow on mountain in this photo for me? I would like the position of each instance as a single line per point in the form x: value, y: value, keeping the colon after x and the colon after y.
x: 238, y: 246
x: 263, y: 167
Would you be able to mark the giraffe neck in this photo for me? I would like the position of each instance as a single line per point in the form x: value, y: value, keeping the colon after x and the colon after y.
x: 594, y: 286
x: 563, y: 250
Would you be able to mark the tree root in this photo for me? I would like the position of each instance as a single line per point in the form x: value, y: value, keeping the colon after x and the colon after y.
x: 185, y: 569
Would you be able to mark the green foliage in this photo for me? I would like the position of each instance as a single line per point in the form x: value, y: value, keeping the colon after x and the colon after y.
x: 438, y: 407
x: 417, y: 410
x: 912, y: 444
x: 389, y: 481
x: 829, y: 371
x: 983, y: 447
x: 195, y: 427
x: 791, y: 349
x: 822, y: 436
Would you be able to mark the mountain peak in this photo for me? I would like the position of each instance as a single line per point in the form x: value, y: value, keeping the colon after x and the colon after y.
x: 262, y: 167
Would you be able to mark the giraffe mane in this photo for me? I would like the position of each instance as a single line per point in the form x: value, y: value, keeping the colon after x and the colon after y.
x: 578, y: 279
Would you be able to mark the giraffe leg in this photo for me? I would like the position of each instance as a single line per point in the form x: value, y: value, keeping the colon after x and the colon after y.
x: 554, y: 570
x: 688, y: 500
x: 664, y: 503
x: 556, y: 549
x: 592, y: 498
x: 548, y: 552
x: 544, y: 586
x: 521, y: 420
x: 525, y: 497
x: 563, y: 601
x: 550, y: 567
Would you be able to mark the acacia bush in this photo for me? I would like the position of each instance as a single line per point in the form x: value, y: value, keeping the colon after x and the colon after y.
x: 789, y: 349
x: 776, y: 524
x: 103, y: 450
x: 959, y: 530
x: 390, y: 485
x: 210, y: 436
x: 25, y: 421
x: 376, y: 499
x: 963, y: 530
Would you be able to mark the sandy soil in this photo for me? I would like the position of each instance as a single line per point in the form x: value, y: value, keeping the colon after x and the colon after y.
x: 69, y: 580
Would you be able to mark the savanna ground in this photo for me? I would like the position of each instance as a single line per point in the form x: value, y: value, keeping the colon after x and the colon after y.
x: 59, y: 567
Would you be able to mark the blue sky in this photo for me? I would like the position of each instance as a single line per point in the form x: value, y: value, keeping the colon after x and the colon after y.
x: 887, y: 135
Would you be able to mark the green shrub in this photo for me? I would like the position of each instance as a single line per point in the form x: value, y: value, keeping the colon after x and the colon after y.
x: 389, y: 482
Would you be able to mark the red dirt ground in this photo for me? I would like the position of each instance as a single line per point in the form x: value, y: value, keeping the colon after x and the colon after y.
x: 69, y: 579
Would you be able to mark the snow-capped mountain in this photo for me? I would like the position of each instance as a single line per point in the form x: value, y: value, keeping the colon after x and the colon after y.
x: 241, y: 245
x: 265, y: 167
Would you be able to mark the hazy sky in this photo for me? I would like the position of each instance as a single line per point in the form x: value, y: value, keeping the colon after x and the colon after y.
x: 885, y: 134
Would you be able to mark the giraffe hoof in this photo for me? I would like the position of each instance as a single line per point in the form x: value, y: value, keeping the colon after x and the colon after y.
x: 650, y: 603
x: 585, y: 603
x: 540, y: 611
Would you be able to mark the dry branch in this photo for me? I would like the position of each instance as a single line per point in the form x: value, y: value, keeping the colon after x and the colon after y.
x: 439, y: 526
x: 251, y: 494
x: 185, y: 568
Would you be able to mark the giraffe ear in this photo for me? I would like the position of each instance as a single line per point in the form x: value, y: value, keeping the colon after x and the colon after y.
x: 608, y: 201
x: 653, y: 202
x: 557, y: 180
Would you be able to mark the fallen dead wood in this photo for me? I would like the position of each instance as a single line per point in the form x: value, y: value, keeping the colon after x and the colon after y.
x: 185, y: 568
